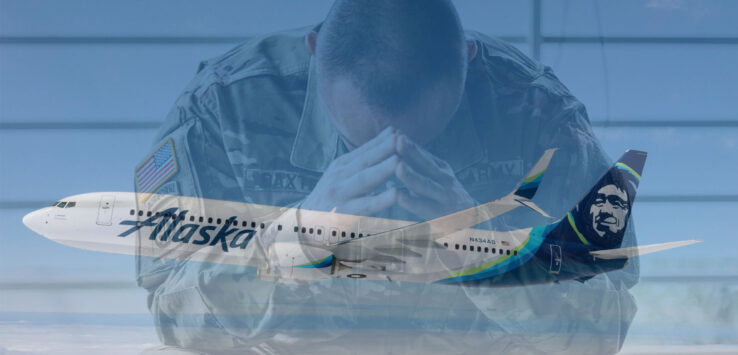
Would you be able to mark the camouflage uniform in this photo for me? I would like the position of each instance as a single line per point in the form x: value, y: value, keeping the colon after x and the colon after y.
x: 250, y: 127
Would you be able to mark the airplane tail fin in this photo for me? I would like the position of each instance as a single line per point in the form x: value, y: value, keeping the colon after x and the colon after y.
x: 631, y: 252
x: 601, y: 216
x: 529, y: 185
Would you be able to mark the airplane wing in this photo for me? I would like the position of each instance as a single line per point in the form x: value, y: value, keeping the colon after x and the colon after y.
x: 427, y: 232
x: 630, y: 252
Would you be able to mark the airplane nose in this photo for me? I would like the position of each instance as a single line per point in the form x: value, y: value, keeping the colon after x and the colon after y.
x: 34, y: 221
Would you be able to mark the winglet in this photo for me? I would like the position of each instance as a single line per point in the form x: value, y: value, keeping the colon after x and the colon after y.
x: 630, y: 252
x: 529, y: 186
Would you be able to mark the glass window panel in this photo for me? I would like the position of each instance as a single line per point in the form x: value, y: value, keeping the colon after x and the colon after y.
x: 92, y: 83
x: 681, y: 161
x: 639, y: 18
x: 649, y: 81
x: 98, y: 165
x: 667, y: 222
x: 230, y: 18
x: 495, y: 18
x: 161, y: 18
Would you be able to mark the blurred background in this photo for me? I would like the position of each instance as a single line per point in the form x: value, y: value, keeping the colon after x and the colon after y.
x: 84, y: 85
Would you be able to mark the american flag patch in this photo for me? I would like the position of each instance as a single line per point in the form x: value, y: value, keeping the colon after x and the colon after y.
x: 157, y: 168
x: 505, y: 243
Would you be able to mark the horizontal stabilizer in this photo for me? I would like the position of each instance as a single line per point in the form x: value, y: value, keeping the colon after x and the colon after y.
x: 624, y: 253
x: 533, y: 206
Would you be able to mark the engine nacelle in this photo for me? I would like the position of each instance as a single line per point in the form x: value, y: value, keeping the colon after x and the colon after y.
x: 292, y: 261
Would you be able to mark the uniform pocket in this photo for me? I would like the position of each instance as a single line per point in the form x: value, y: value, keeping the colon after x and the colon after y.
x: 185, y: 320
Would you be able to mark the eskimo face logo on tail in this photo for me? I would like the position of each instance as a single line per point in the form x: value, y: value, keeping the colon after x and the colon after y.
x: 602, y: 215
x: 609, y: 211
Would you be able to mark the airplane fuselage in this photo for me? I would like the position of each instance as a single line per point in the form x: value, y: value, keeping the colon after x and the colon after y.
x: 298, y: 245
x: 289, y: 244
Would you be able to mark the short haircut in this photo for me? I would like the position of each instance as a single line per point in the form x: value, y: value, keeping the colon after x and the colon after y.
x: 393, y: 50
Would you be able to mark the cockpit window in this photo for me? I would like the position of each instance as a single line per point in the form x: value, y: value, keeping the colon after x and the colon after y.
x: 54, y: 204
x: 62, y: 204
x: 71, y: 204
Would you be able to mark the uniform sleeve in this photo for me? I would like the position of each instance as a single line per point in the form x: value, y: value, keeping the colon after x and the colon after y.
x: 570, y: 317
x: 190, y: 129
x: 573, y: 316
x: 578, y: 165
x: 194, y: 303
x: 597, y: 313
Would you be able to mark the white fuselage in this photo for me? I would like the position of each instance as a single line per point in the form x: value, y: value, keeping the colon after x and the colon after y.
x: 283, y: 242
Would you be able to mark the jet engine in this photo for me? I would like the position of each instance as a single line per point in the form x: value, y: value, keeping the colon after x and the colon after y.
x: 296, y: 262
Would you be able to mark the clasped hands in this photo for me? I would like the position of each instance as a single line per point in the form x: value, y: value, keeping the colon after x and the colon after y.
x: 431, y: 187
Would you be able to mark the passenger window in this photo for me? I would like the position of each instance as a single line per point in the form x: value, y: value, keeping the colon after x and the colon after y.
x: 343, y: 234
x: 279, y: 227
x: 508, y: 252
x: 253, y: 224
x: 304, y: 229
x: 494, y: 250
x: 445, y: 245
x: 235, y: 223
x: 261, y: 226
x: 515, y: 252
x: 457, y: 247
x: 148, y: 214
x: 201, y: 219
x: 320, y: 231
x: 192, y: 218
x: 479, y: 249
x: 311, y: 231
x: 486, y: 249
x: 218, y: 221
x: 360, y: 235
x: 243, y: 224
x: 500, y: 251
x: 210, y: 219
x: 140, y: 213
x: 334, y: 233
x: 463, y: 247
x: 158, y: 214
x: 296, y: 229
x: 133, y: 212
x: 353, y: 235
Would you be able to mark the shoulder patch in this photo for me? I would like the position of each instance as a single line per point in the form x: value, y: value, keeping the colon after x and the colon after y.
x: 155, y: 170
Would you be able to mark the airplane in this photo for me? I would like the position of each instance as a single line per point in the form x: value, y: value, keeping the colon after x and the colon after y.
x: 295, y: 245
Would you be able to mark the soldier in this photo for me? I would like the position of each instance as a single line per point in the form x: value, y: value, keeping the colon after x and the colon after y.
x: 387, y: 108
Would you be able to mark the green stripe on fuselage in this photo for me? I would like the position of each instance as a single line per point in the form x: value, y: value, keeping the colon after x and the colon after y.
x: 490, y: 264
x: 318, y: 263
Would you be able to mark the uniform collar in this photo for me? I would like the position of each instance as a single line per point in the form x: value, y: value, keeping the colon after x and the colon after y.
x: 317, y: 141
